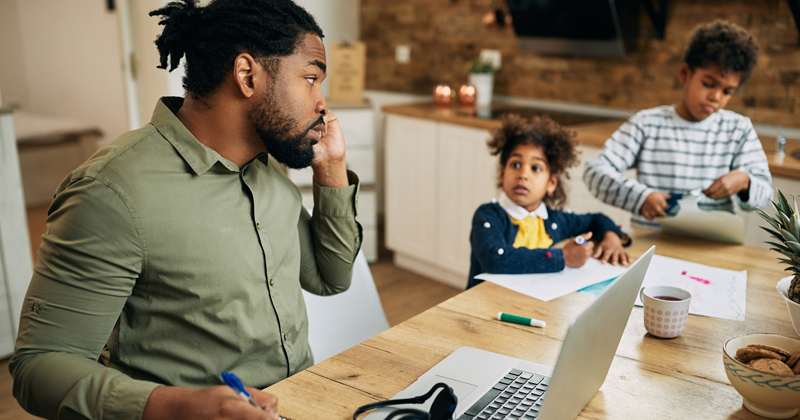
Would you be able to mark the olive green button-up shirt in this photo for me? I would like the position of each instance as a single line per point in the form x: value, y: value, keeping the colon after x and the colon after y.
x: 170, y: 264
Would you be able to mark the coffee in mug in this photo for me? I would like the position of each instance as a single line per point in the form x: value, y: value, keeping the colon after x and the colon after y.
x: 665, y: 309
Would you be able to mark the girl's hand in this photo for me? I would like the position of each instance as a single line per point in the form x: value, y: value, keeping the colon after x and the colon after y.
x: 611, y: 250
x: 576, y: 255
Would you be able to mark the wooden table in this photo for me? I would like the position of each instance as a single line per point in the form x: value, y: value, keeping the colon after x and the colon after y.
x: 650, y: 378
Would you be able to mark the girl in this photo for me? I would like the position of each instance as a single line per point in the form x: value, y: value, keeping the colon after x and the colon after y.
x: 515, y: 234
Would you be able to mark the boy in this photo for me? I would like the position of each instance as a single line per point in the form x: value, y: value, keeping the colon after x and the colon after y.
x: 696, y: 144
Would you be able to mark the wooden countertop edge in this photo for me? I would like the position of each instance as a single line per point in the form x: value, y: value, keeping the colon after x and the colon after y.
x: 592, y: 134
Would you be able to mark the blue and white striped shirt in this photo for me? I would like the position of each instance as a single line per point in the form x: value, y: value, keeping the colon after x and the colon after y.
x: 673, y: 154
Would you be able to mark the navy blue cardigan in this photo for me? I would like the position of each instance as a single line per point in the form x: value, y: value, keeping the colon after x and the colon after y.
x: 493, y: 236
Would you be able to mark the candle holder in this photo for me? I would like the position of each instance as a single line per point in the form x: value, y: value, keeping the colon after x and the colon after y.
x: 443, y: 95
x: 467, y: 95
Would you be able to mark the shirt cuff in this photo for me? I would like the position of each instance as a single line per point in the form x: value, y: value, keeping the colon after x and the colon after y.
x: 127, y: 398
x: 337, y: 202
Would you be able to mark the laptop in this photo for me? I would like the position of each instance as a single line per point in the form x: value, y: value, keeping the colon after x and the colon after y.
x: 485, y: 381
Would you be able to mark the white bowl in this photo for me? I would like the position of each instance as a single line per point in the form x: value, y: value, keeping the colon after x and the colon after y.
x: 792, y: 306
x: 768, y: 395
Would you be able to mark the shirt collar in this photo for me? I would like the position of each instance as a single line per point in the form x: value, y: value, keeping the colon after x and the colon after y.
x: 199, y: 156
x: 518, y: 212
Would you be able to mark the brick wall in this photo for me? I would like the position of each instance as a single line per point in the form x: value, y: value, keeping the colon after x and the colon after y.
x: 446, y: 34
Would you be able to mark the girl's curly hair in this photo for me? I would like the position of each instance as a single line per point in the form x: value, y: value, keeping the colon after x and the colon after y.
x: 557, y: 143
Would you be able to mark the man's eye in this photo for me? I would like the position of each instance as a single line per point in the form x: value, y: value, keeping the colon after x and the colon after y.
x: 728, y: 92
x: 311, y: 80
x: 708, y: 85
x: 536, y: 168
x: 515, y: 165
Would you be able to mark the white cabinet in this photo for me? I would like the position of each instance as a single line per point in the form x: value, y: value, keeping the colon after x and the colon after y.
x: 437, y: 174
x: 756, y: 236
x: 358, y: 126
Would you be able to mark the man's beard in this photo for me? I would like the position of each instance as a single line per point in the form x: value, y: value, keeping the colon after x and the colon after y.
x: 274, y: 128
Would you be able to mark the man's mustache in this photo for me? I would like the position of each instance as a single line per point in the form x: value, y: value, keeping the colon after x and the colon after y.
x: 320, y: 121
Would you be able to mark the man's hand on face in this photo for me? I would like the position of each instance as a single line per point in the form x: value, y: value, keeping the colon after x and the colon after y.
x: 329, y: 165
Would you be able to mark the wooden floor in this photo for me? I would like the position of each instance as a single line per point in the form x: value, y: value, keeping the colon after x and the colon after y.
x: 403, y: 295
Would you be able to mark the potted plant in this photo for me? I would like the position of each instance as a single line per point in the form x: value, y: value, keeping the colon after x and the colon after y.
x: 481, y: 75
x: 785, y: 229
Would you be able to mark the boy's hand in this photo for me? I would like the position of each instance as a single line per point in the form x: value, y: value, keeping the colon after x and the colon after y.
x: 655, y: 205
x: 611, y: 250
x: 576, y: 255
x: 728, y: 185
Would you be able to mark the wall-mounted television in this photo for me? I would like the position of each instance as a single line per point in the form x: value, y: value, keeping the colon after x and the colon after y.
x: 607, y: 28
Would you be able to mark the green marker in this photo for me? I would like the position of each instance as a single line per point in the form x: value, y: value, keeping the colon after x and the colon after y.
x: 520, y: 320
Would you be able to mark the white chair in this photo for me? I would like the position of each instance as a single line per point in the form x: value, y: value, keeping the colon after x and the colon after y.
x: 338, y: 322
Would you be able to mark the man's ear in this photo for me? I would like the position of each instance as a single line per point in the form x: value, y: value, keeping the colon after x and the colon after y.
x: 684, y: 72
x: 247, y: 74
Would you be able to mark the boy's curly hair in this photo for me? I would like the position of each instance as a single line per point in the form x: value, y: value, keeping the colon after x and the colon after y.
x: 725, y: 45
x: 557, y: 143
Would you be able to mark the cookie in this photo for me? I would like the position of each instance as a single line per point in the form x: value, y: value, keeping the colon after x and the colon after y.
x: 773, y: 349
x: 773, y: 366
x: 792, y: 361
x: 746, y: 354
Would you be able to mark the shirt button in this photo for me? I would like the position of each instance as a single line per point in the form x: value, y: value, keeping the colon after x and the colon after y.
x: 258, y: 226
x: 500, y: 251
x: 554, y: 226
x: 271, y: 282
x: 487, y: 225
x: 285, y: 336
x: 35, y: 307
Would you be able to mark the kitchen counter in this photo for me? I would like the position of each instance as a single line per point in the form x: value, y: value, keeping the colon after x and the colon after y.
x: 592, y: 130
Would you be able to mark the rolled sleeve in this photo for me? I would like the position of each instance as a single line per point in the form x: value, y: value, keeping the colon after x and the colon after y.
x: 85, y: 273
x: 336, y: 237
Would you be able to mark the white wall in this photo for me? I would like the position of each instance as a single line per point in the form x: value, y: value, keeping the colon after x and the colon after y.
x: 338, y: 20
x: 11, y: 69
x: 63, y: 58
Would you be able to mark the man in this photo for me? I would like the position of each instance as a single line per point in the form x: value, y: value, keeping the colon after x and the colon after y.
x: 179, y: 251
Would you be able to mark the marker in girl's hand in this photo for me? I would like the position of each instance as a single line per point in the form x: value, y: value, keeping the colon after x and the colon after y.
x: 580, y: 240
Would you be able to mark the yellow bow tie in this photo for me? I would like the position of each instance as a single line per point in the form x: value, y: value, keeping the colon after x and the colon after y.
x: 531, y: 233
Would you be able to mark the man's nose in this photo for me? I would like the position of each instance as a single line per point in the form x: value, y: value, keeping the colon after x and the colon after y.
x: 321, y: 107
x: 716, y: 94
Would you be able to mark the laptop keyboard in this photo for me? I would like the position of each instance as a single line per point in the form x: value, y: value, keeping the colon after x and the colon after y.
x: 519, y: 395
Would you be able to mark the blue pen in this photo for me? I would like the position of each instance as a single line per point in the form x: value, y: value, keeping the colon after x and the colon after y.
x: 580, y: 240
x: 233, y: 381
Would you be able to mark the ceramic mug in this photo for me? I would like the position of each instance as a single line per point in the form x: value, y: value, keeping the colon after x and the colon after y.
x: 665, y: 310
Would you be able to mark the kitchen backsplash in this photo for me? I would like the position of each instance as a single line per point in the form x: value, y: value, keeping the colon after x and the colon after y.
x: 446, y: 34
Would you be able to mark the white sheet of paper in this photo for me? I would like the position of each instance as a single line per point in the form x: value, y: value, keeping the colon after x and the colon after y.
x: 548, y: 286
x: 716, y: 225
x: 716, y: 292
